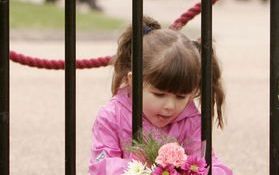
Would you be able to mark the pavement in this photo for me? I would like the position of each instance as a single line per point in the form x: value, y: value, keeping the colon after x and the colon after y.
x: 241, y: 34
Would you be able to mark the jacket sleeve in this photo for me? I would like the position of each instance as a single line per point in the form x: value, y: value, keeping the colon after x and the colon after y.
x: 106, y: 154
x: 193, y: 146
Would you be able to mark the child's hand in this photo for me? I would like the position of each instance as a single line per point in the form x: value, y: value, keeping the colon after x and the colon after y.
x: 139, y: 156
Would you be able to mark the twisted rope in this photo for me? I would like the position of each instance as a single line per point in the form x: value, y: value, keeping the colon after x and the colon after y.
x: 58, y: 64
x: 95, y: 62
x: 187, y: 16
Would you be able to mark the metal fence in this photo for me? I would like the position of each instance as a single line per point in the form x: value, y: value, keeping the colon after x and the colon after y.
x: 70, y: 81
x: 274, y: 87
x: 4, y: 88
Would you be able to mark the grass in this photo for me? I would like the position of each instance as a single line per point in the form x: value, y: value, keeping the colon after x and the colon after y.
x: 25, y: 15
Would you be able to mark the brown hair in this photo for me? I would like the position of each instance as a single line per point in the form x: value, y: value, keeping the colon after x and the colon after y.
x: 171, y: 62
x: 217, y: 87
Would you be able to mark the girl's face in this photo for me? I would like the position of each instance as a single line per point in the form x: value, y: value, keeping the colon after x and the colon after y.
x: 160, y: 107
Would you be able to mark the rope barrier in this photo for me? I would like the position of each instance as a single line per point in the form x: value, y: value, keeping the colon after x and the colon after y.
x: 95, y: 62
x: 58, y: 64
x: 187, y: 16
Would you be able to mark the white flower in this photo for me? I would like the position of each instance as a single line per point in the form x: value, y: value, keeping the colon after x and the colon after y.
x: 137, y: 168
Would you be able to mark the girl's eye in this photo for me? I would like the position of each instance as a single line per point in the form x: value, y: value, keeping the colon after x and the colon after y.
x: 180, y: 96
x: 158, y: 94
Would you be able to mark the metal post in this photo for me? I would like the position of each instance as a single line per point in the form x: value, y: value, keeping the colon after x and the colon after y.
x: 70, y: 85
x: 137, y: 67
x: 274, y: 87
x: 206, y: 25
x: 4, y: 89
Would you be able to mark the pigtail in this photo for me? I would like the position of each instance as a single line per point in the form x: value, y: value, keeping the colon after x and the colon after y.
x: 218, y: 91
x: 122, y: 61
x: 217, y: 87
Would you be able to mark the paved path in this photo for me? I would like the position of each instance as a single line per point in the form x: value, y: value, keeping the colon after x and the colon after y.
x: 241, y: 31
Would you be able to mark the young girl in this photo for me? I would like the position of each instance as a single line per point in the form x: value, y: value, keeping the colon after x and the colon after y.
x: 171, y: 81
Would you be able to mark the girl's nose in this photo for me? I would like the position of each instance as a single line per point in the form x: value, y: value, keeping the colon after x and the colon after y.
x: 170, y: 104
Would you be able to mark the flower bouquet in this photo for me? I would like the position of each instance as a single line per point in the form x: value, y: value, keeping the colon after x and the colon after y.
x: 157, y: 158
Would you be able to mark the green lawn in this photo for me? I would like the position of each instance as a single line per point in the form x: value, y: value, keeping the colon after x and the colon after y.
x: 25, y: 15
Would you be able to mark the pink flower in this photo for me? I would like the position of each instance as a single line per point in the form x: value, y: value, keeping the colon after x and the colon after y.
x: 171, y: 154
x: 194, y: 166
x: 167, y: 170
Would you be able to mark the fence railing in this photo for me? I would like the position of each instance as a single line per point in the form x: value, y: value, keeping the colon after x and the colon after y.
x: 137, y: 63
x: 4, y: 88
x: 70, y: 87
x: 274, y: 87
x: 206, y: 94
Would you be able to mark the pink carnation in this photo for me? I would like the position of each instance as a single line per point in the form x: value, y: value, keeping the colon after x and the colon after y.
x: 171, y: 154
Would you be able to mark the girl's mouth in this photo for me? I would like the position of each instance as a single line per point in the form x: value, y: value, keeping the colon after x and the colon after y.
x: 163, y: 116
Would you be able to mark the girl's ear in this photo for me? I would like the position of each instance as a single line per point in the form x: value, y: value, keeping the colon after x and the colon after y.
x: 129, y: 77
x: 195, y: 94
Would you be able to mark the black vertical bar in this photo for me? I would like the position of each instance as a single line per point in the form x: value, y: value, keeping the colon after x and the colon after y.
x: 4, y: 89
x: 274, y: 87
x: 70, y: 81
x: 206, y: 25
x: 137, y: 67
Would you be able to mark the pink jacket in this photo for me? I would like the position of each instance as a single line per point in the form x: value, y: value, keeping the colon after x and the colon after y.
x: 112, y: 132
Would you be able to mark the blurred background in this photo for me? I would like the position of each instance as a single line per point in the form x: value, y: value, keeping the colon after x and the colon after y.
x: 241, y: 34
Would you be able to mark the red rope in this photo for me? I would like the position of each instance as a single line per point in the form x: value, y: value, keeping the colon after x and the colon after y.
x: 58, y: 64
x: 187, y: 16
x: 95, y: 62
